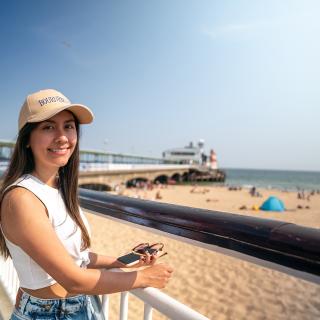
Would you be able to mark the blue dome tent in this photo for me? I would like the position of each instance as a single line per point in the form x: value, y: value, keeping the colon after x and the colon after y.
x: 273, y: 204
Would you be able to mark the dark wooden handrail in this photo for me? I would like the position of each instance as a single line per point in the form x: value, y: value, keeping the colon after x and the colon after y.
x: 282, y: 243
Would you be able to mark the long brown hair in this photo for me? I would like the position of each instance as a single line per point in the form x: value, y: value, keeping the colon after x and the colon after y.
x: 22, y: 162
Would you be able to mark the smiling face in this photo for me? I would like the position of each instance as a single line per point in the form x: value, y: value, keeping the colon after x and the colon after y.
x: 53, y: 141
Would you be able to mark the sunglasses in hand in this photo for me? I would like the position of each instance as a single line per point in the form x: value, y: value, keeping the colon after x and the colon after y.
x: 153, y: 249
x: 141, y: 250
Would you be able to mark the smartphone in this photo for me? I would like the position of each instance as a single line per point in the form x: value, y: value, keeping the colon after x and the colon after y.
x: 129, y: 259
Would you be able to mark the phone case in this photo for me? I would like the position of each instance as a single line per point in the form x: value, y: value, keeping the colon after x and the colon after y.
x: 129, y: 259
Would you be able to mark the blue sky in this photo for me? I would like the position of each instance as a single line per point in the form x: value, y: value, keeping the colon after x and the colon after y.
x: 242, y: 75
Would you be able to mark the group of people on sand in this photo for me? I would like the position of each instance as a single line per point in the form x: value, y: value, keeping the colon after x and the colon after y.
x: 140, y: 190
x: 254, y: 192
x: 302, y: 195
x: 146, y: 196
x: 196, y: 189
x: 234, y: 188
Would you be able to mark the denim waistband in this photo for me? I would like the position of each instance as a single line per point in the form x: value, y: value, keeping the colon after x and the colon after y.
x: 30, y: 306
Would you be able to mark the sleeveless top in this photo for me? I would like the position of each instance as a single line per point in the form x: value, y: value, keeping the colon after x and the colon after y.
x: 30, y: 274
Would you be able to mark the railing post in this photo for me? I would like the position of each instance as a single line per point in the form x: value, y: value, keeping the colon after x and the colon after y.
x: 147, y: 314
x: 105, y: 306
x: 124, y: 302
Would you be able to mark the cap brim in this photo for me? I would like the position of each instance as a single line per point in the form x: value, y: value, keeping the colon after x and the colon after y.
x: 83, y: 114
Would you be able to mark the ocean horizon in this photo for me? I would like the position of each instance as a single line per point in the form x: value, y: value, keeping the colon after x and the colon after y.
x: 289, y: 180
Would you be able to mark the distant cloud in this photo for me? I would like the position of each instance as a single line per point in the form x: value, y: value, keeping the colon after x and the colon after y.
x: 236, y: 29
x: 298, y: 22
x: 227, y: 30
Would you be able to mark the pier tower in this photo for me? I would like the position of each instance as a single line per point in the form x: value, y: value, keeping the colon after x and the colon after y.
x: 213, y: 164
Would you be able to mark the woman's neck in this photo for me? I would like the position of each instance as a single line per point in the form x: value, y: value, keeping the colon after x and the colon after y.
x: 48, y: 177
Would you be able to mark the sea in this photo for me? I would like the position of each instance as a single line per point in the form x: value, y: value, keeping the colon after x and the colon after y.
x: 273, y: 179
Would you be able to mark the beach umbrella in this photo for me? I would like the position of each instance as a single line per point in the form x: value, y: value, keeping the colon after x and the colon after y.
x: 273, y: 204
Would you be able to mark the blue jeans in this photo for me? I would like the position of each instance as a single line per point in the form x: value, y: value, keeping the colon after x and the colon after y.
x: 80, y: 307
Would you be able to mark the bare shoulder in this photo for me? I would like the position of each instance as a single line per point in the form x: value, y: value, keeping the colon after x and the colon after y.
x: 19, y: 198
x: 17, y: 193
x: 18, y: 208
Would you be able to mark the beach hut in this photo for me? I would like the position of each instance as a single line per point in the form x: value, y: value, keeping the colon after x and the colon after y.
x: 273, y: 204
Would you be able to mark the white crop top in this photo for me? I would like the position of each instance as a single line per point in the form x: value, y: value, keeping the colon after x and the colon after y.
x: 30, y: 274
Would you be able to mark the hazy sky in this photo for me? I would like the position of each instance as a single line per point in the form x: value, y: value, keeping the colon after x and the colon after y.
x: 242, y: 75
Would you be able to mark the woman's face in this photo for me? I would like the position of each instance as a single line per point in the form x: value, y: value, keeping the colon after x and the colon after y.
x: 53, y: 141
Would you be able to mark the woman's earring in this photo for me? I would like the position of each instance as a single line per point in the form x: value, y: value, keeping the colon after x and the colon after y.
x: 28, y: 146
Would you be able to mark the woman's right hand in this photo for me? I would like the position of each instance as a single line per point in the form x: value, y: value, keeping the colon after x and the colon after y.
x: 156, y: 276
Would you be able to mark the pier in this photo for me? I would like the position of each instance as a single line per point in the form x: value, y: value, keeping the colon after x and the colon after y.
x: 104, y: 171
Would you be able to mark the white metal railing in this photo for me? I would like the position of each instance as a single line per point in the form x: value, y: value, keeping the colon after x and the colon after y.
x: 173, y: 309
x: 152, y: 298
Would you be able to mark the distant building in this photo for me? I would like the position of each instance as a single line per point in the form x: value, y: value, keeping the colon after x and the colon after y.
x: 187, y: 155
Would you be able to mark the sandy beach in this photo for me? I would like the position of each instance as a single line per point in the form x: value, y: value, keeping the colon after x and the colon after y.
x: 218, y: 286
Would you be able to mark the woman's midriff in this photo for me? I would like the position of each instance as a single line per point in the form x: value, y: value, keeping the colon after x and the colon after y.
x: 52, y: 292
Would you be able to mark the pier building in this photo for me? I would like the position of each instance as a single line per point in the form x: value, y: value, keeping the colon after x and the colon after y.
x: 190, y: 154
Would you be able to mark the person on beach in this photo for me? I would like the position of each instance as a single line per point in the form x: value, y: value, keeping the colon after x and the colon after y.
x: 42, y: 226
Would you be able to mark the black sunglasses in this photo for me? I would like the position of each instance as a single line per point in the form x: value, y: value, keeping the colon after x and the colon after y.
x: 153, y: 249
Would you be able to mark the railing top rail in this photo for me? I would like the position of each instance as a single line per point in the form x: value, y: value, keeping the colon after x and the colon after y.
x: 279, y: 242
x: 168, y: 306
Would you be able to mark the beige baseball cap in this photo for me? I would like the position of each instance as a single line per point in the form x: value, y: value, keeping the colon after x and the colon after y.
x: 44, y: 104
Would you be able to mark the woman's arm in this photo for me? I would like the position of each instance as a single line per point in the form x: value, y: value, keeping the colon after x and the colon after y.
x: 25, y: 223
x: 98, y: 261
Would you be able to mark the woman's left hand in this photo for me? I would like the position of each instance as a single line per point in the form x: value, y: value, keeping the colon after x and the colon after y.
x: 146, y: 260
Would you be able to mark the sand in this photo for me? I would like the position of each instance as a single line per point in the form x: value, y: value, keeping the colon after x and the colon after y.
x: 218, y: 286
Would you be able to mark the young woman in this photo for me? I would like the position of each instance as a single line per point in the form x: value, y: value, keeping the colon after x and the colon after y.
x: 42, y: 226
